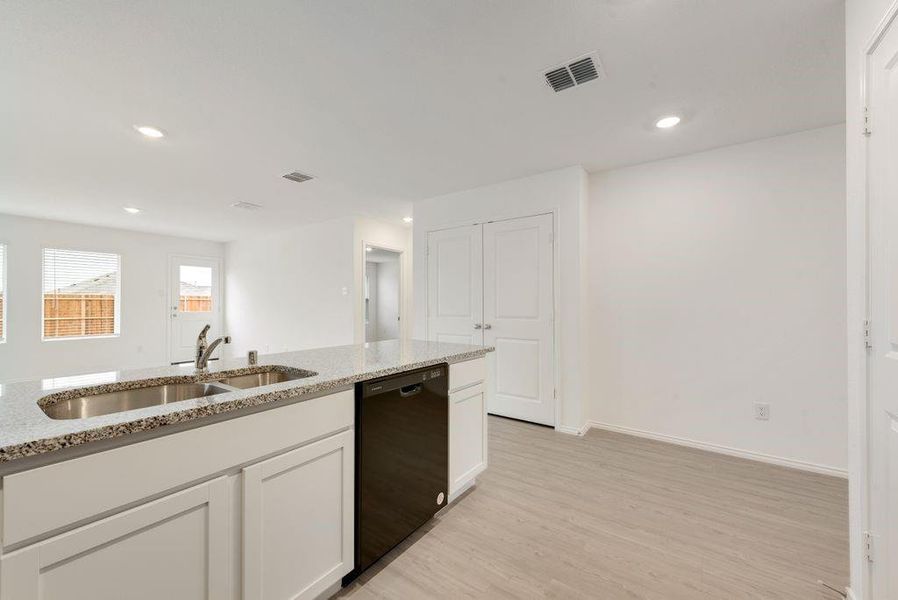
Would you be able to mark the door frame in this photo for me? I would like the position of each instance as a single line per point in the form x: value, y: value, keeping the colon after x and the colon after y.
x: 172, y: 258
x: 858, y: 297
x: 556, y: 293
x: 360, y: 297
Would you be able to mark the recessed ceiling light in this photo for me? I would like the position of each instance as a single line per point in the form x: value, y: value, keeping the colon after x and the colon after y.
x: 407, y: 219
x: 131, y: 210
x: 369, y: 249
x: 150, y: 132
x: 667, y: 122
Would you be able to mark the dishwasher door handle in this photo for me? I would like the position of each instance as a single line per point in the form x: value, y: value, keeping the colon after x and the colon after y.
x: 410, y: 390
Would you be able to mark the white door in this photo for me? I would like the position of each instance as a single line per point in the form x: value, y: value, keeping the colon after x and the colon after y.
x: 518, y: 317
x: 173, y: 547
x: 883, y: 306
x: 455, y: 285
x: 194, y: 301
x: 298, y: 515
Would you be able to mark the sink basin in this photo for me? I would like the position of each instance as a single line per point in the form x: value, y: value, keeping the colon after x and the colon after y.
x: 113, y: 402
x: 274, y: 375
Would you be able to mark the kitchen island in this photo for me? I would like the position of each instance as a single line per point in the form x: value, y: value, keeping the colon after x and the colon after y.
x: 247, y: 493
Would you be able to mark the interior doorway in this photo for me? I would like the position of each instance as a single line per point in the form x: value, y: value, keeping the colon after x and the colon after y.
x: 382, y: 294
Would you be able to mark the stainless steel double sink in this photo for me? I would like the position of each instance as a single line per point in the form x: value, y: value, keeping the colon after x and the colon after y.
x: 104, y: 403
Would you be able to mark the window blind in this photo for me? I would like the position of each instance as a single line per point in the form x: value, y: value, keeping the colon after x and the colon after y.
x: 81, y: 293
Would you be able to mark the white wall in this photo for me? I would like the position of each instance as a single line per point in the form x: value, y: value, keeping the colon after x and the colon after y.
x: 718, y: 280
x: 371, y: 312
x: 144, y: 312
x: 389, y: 236
x: 562, y: 191
x: 861, y: 20
x: 290, y: 290
x: 387, y: 309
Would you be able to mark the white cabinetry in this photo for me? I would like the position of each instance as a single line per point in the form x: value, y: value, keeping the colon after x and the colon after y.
x: 159, y: 518
x: 173, y: 547
x: 467, y: 424
x: 298, y: 504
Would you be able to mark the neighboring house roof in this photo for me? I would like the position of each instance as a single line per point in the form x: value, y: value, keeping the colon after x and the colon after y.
x: 102, y: 284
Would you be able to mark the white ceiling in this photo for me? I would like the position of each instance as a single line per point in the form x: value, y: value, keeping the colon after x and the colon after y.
x: 385, y: 102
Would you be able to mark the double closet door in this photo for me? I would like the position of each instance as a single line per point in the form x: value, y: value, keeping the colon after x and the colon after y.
x: 492, y: 284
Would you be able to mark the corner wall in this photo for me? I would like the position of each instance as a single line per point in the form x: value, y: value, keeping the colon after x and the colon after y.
x: 717, y: 280
x: 290, y: 290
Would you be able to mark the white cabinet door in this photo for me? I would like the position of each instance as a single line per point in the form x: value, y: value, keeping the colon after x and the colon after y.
x: 467, y: 437
x: 518, y: 317
x: 455, y: 285
x: 173, y: 547
x: 298, y: 515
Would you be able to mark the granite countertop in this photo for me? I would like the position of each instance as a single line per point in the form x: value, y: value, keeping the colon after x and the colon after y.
x: 25, y: 430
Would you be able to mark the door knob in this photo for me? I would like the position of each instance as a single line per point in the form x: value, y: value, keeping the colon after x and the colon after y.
x: 478, y: 326
x: 487, y: 326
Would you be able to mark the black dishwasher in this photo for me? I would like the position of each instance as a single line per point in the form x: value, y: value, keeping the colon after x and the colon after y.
x: 402, y: 458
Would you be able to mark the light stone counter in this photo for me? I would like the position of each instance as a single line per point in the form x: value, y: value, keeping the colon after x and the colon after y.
x: 25, y: 431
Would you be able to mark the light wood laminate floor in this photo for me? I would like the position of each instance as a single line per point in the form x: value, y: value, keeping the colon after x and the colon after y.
x: 612, y: 516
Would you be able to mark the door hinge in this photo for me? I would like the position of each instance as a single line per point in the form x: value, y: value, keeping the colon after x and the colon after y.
x: 868, y: 546
x: 868, y: 125
x: 868, y: 340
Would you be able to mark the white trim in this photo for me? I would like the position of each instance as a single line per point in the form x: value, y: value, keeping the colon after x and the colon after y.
x: 567, y: 429
x: 849, y: 594
x: 729, y: 451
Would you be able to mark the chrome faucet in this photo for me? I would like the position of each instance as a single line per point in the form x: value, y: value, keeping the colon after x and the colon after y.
x: 204, y: 349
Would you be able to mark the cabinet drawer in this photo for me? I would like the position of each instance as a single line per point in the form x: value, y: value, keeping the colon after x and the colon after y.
x: 464, y: 374
x: 57, y: 496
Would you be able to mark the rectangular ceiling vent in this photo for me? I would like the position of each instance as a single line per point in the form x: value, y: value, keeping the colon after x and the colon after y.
x: 298, y: 177
x: 246, y: 206
x: 576, y: 72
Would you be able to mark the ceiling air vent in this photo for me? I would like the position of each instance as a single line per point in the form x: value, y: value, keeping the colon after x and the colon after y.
x: 560, y: 79
x: 246, y: 206
x: 298, y: 177
x: 576, y: 72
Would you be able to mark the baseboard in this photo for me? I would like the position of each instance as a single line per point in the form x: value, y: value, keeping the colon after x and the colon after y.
x: 572, y: 430
x: 757, y: 456
x: 850, y: 594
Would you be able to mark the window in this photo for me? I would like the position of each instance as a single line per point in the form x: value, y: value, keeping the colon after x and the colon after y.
x: 81, y: 294
x: 196, y: 289
x: 2, y: 293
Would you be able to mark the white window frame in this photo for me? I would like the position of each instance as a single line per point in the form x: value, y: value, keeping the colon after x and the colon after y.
x: 117, y: 326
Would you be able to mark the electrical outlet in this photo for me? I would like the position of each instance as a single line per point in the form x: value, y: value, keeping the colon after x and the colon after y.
x: 762, y: 411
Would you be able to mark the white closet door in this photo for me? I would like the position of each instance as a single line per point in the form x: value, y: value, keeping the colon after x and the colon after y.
x: 455, y: 285
x: 518, y: 317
